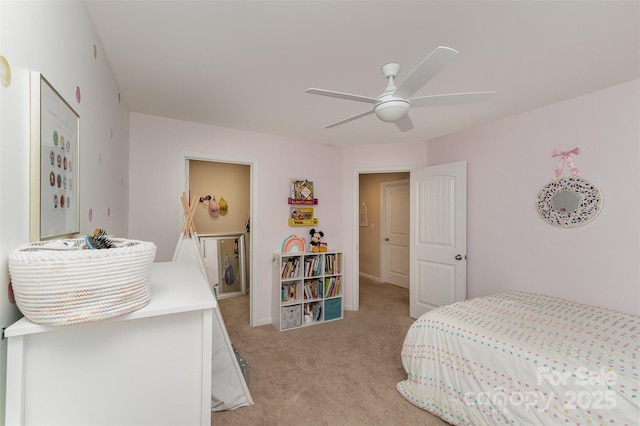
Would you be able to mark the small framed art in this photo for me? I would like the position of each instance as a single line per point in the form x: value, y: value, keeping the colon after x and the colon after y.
x: 364, y: 220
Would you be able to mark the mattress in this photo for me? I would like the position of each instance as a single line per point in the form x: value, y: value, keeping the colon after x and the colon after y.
x: 518, y: 358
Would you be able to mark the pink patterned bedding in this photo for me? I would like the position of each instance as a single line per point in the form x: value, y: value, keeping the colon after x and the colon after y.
x: 517, y: 358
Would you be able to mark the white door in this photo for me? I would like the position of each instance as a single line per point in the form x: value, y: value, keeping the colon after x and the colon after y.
x: 395, y: 233
x: 438, y: 238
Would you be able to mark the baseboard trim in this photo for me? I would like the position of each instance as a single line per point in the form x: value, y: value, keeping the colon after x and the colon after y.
x: 371, y: 277
x: 262, y: 322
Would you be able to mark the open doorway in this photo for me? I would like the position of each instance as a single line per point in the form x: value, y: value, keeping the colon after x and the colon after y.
x: 371, y: 250
x: 224, y: 191
x: 375, y: 257
x: 211, y: 180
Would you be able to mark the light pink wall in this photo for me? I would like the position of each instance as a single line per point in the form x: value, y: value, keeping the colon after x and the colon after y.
x: 155, y: 213
x: 509, y: 245
x: 154, y: 194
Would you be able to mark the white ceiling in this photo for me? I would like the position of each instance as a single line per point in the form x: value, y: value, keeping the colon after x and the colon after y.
x: 246, y: 64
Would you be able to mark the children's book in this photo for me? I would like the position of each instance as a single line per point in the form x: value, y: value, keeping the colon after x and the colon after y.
x: 301, y: 189
x: 301, y: 213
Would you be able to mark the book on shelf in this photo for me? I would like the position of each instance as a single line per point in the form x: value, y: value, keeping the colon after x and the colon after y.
x: 289, y: 292
x: 301, y: 213
x: 313, y: 289
x: 312, y: 266
x: 290, y: 268
x: 301, y: 189
x: 332, y: 263
x: 332, y: 286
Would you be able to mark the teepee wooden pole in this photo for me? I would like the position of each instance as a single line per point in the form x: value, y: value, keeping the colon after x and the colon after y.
x: 189, y: 210
x: 192, y: 212
x: 185, y: 209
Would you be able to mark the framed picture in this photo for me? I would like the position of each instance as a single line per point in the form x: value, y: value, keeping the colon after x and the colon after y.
x: 363, y: 215
x: 55, y: 140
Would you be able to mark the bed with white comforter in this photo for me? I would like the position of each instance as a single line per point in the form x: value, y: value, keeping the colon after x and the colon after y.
x: 518, y: 358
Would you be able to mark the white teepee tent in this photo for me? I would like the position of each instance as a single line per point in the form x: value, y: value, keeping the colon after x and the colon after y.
x: 228, y: 385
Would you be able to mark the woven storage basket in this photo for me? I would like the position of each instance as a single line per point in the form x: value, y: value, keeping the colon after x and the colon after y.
x: 62, y: 287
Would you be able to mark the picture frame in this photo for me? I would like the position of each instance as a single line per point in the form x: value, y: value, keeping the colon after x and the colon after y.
x: 364, y: 220
x: 55, y: 143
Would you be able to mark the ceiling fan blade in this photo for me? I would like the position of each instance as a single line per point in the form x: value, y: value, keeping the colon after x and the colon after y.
x: 346, y: 120
x: 451, y: 99
x: 341, y: 95
x: 428, y: 68
x: 404, y: 124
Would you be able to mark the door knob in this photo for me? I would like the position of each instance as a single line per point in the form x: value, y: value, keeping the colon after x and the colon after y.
x: 386, y: 239
x: 458, y: 257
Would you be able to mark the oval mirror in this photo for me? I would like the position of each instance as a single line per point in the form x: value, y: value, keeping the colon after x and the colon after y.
x: 569, y: 202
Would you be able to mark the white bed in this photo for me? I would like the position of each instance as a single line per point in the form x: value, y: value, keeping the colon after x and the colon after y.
x: 518, y: 358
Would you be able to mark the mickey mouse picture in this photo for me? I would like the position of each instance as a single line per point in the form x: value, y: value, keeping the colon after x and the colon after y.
x: 316, y: 245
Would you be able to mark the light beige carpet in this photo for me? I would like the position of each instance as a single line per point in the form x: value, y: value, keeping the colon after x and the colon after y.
x: 337, y: 373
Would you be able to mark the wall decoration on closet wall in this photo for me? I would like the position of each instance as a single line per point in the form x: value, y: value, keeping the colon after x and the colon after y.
x: 55, y: 132
x: 213, y: 206
x: 568, y: 201
x: 224, y: 206
x: 364, y: 220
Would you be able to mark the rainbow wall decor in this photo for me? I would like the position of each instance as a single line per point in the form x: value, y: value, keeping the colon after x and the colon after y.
x: 293, y: 244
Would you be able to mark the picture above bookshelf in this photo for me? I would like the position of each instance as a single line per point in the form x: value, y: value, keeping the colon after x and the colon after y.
x: 302, y: 216
x: 301, y: 189
x: 301, y: 194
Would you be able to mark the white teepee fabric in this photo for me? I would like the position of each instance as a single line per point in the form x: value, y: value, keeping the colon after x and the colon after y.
x: 188, y: 250
x: 228, y: 385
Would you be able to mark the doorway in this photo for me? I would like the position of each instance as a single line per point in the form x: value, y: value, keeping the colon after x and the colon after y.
x: 209, y: 178
x: 370, y: 251
x: 458, y: 280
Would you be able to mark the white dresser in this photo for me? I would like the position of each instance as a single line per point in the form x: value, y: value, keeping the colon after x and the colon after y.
x: 149, y: 367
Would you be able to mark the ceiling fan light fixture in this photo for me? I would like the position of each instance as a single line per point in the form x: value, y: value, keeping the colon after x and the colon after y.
x: 392, y: 111
x: 393, y: 104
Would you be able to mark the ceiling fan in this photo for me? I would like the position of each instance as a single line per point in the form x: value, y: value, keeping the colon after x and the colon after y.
x: 393, y: 104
